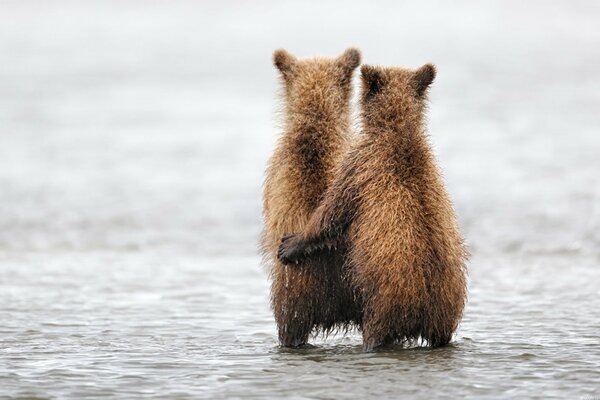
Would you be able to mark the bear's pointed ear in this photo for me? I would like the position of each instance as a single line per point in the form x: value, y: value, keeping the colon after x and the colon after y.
x: 284, y: 61
x: 348, y: 62
x: 372, y: 80
x: 423, y: 77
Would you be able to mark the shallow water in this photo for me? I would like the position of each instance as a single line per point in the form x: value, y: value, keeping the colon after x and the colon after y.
x: 162, y: 325
x: 133, y: 139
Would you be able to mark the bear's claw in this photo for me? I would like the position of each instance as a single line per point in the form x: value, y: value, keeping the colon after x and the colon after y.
x: 291, y: 249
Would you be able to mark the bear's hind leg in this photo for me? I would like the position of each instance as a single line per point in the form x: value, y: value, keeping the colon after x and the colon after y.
x: 373, y: 341
x: 438, y: 336
x: 293, y: 333
x: 375, y: 334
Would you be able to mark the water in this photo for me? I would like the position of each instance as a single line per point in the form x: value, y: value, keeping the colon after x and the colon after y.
x: 133, y: 138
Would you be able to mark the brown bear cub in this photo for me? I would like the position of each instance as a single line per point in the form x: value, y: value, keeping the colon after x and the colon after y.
x: 388, y: 206
x: 315, y: 296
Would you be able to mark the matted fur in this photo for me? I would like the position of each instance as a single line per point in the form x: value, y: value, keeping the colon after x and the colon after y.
x: 389, y: 205
x: 316, y: 295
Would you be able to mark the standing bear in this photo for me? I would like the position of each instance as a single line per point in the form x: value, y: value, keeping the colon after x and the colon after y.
x: 388, y: 205
x: 316, y: 134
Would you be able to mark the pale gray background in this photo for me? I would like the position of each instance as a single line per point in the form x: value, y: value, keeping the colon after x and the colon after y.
x: 133, y: 140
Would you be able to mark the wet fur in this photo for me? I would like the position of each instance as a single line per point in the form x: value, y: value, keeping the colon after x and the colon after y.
x: 388, y: 205
x: 315, y: 295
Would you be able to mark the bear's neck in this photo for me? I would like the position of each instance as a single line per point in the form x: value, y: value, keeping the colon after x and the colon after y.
x: 311, y: 124
x: 397, y: 131
x: 402, y: 140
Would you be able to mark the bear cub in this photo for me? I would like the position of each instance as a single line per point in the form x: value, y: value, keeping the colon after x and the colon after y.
x: 388, y: 207
x: 317, y: 295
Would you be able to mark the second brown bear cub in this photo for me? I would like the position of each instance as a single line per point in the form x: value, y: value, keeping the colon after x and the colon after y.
x: 316, y: 134
x: 388, y: 205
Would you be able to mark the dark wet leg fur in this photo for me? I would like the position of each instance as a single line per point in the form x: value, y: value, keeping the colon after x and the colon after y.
x: 319, y: 299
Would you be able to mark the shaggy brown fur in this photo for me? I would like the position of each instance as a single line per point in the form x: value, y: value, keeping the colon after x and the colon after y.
x: 389, y: 204
x: 314, y: 296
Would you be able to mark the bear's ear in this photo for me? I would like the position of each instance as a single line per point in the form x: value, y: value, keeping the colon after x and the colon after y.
x: 284, y: 61
x: 348, y: 62
x: 372, y: 80
x: 423, y: 77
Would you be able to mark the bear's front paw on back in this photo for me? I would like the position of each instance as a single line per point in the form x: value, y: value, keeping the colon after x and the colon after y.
x: 292, y: 249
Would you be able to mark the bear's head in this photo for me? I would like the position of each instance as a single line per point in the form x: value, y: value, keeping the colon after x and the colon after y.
x: 392, y: 93
x: 319, y: 87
